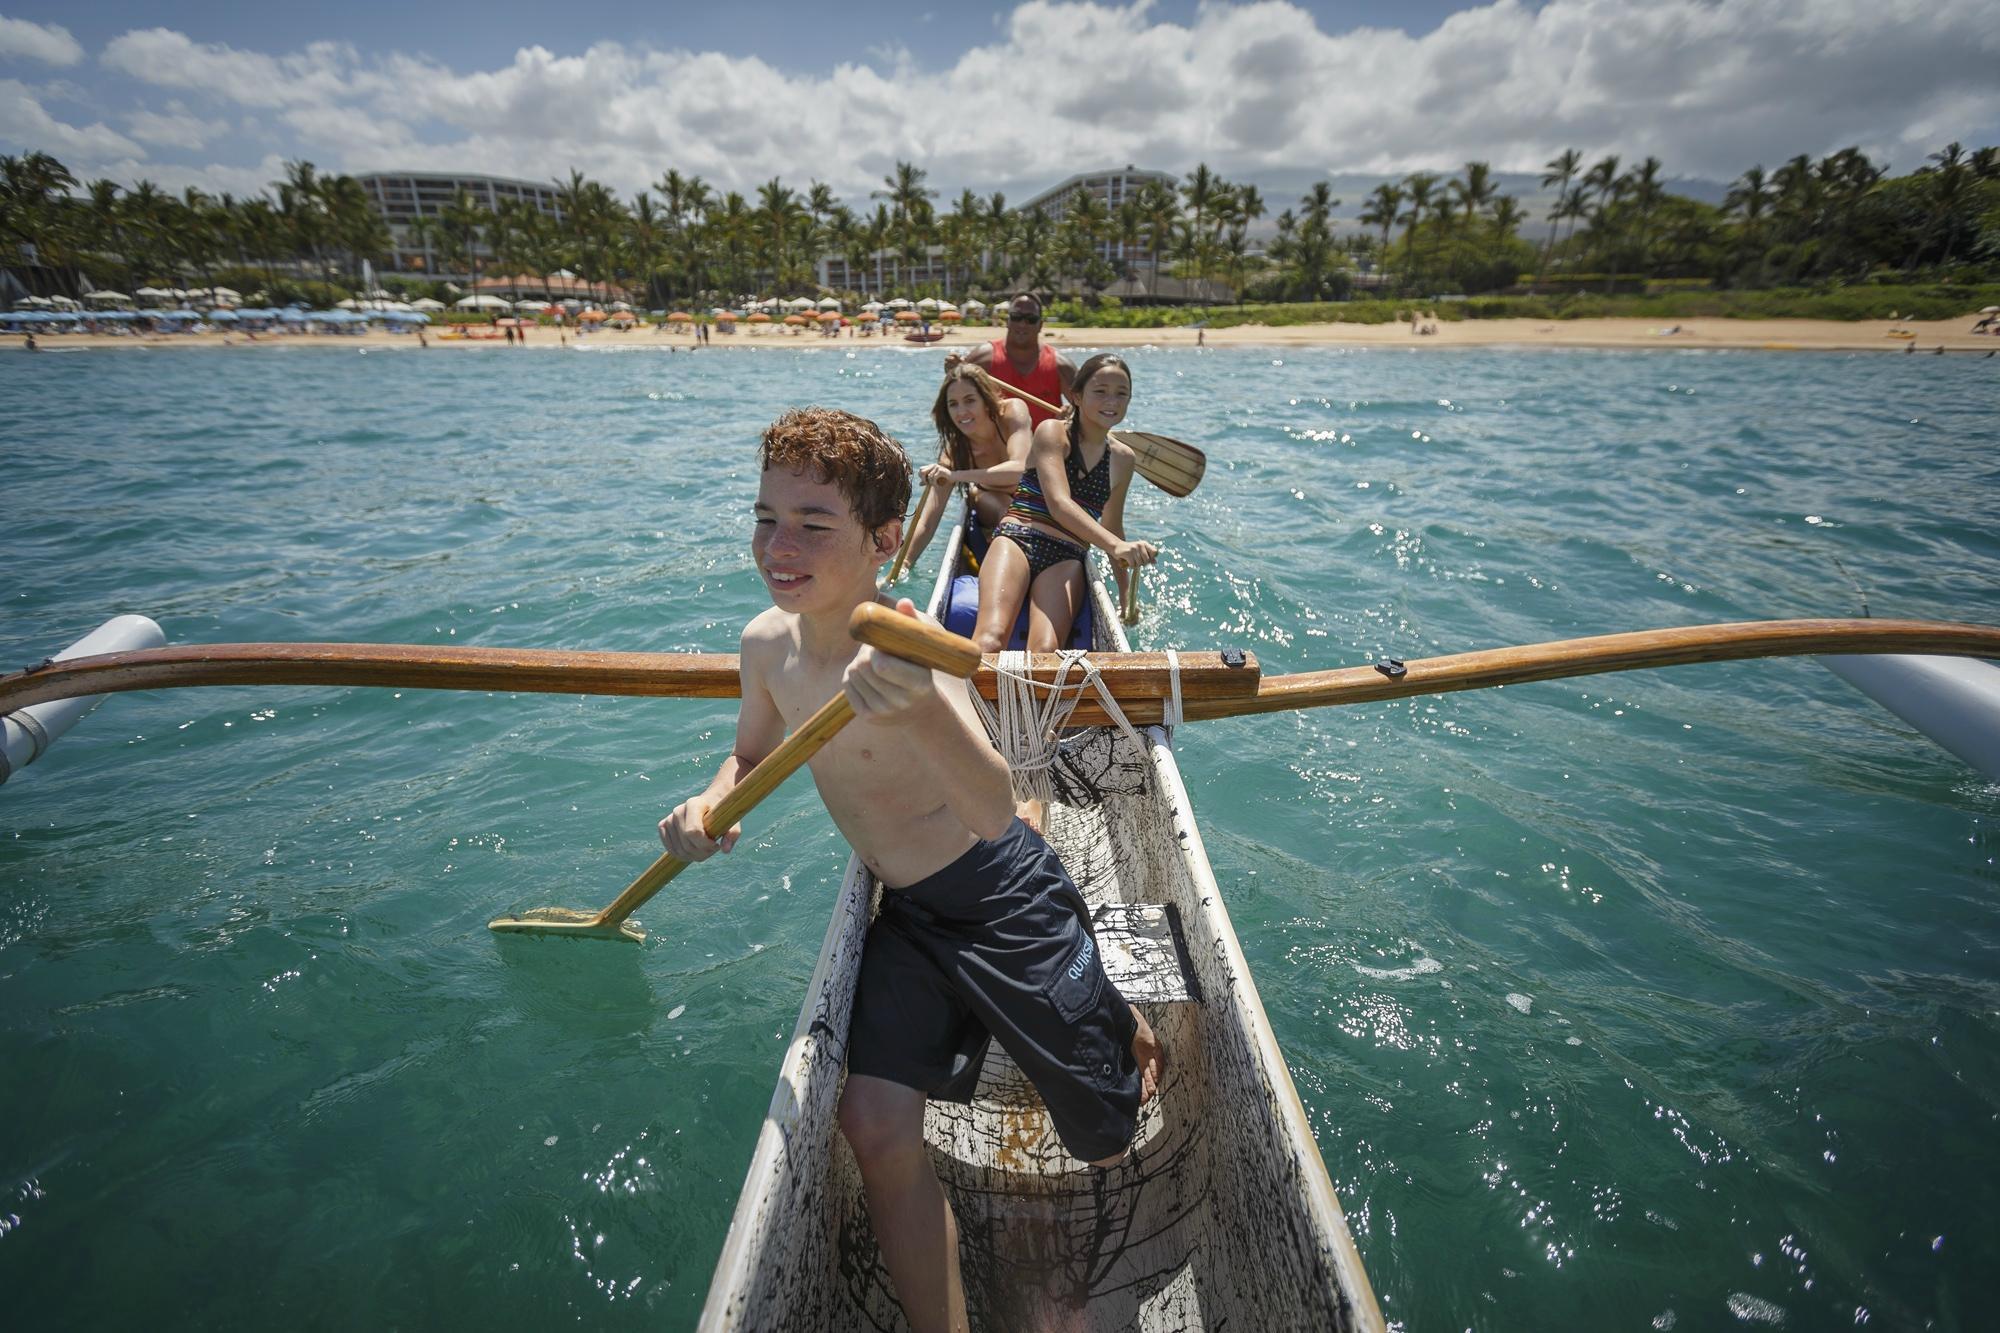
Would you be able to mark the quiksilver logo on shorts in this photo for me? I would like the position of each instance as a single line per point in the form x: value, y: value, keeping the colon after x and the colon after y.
x: 1081, y: 963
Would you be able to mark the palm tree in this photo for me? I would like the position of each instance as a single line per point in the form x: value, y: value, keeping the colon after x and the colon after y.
x: 879, y: 228
x: 1160, y: 208
x: 1200, y: 191
x: 1417, y: 189
x: 1749, y: 199
x: 1562, y: 169
x: 1383, y: 203
x: 1476, y: 192
x: 1643, y: 184
x: 779, y: 212
x: 1951, y: 183
x: 909, y: 202
x: 464, y: 222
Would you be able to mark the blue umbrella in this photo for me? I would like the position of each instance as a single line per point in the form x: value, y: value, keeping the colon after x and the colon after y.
x: 291, y: 314
x: 223, y: 316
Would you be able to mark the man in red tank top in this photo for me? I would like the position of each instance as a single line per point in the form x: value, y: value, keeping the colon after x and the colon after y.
x: 1021, y: 359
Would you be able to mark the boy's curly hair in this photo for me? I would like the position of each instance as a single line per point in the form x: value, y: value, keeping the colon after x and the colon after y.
x: 852, y: 452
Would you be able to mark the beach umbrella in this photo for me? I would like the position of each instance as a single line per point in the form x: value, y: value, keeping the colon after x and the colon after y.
x: 1989, y: 310
x: 951, y: 316
x: 828, y: 303
x: 621, y: 317
x: 620, y: 305
x: 33, y: 303
x: 481, y: 302
x: 928, y: 303
x: 680, y: 317
x: 349, y: 304
x: 64, y: 303
x: 907, y: 317
x: 760, y: 318
x: 799, y: 303
x: 829, y: 317
x: 871, y: 306
x: 222, y: 316
x: 591, y: 317
x: 899, y: 303
x: 974, y: 303
x: 109, y: 297
x: 426, y: 304
x: 795, y: 319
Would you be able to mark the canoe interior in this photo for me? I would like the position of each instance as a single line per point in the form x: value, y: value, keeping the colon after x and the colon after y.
x: 1221, y: 1217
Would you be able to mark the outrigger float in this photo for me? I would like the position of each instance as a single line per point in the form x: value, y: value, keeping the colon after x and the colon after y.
x: 1223, y: 1216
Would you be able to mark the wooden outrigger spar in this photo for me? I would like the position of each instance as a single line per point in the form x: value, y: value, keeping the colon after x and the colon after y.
x: 1211, y: 686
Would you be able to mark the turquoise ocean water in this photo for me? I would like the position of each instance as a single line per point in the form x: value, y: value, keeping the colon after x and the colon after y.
x: 1640, y: 1001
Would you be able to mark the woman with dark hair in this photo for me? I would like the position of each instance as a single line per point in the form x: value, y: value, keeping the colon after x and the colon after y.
x: 983, y: 443
x: 1071, y: 497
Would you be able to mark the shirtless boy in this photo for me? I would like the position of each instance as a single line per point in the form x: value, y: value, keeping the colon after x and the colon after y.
x: 926, y: 803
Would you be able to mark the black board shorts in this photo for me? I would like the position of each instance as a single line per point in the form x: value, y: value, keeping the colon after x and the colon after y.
x: 998, y: 945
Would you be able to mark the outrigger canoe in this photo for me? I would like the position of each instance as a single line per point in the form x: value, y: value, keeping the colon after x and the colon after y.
x: 1221, y: 1218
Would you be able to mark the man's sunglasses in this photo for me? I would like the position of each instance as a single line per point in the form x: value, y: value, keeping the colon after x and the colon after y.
x: 1016, y: 317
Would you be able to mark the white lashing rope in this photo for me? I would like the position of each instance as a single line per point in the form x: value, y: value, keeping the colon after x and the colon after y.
x: 1026, y: 729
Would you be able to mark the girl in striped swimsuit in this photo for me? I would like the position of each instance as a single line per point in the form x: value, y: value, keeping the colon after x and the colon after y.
x: 1071, y: 497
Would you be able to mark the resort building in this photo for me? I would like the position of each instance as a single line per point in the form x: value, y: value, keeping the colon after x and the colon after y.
x: 885, y: 269
x: 401, y: 197
x: 1111, y: 189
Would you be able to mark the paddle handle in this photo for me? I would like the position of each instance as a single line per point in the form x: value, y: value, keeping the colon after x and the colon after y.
x: 1018, y: 392
x: 910, y: 534
x: 902, y: 636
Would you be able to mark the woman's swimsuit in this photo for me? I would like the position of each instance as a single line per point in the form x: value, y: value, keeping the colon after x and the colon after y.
x: 1092, y: 490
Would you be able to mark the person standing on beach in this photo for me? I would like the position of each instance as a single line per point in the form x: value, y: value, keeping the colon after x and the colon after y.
x: 1022, y: 359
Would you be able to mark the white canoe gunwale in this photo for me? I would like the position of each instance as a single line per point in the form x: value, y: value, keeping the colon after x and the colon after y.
x: 1223, y: 1216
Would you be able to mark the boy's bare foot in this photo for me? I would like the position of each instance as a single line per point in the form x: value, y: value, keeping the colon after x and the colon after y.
x: 1033, y: 813
x: 1150, y: 1055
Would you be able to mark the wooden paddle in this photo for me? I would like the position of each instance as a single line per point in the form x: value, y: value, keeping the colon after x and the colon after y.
x: 1175, y: 466
x: 910, y: 533
x: 913, y: 640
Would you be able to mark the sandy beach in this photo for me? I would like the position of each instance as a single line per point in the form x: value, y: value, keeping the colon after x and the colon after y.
x: 1786, y: 335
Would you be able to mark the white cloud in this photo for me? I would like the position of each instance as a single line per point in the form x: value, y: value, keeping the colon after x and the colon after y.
x: 324, y: 71
x: 175, y: 127
x: 26, y: 126
x: 47, y: 43
x: 1059, y: 87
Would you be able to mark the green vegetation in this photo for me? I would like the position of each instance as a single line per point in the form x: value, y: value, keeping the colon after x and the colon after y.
x: 1836, y: 238
x: 1665, y: 302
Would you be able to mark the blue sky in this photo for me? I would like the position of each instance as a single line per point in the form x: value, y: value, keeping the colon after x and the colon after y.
x: 994, y: 96
x: 805, y: 37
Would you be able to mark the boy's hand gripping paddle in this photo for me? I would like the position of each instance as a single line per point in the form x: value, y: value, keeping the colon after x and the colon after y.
x: 910, y: 639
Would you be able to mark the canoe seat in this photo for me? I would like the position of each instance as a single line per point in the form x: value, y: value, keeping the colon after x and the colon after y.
x: 1145, y: 953
x: 961, y: 615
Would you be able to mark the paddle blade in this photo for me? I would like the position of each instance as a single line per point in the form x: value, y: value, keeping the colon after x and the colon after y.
x: 1175, y: 466
x: 567, y: 921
